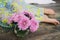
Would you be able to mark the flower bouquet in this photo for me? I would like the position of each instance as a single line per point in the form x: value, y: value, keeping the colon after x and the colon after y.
x: 21, y: 23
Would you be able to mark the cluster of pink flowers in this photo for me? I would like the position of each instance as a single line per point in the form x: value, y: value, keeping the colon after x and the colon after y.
x: 25, y: 20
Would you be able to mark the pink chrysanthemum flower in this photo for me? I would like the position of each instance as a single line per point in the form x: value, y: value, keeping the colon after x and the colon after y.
x: 29, y: 15
x: 15, y: 17
x: 34, y: 25
x: 10, y: 19
x: 24, y: 23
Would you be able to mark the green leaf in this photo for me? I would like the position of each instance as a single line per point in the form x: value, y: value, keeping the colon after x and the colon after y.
x: 21, y: 33
x: 5, y: 26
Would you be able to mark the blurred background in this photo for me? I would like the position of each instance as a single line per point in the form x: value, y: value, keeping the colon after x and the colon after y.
x: 53, y: 4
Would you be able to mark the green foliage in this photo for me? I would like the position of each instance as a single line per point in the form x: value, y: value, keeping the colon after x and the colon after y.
x: 6, y: 27
x: 13, y: 27
x: 21, y: 33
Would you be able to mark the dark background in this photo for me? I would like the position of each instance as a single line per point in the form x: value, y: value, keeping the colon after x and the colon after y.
x: 58, y: 1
